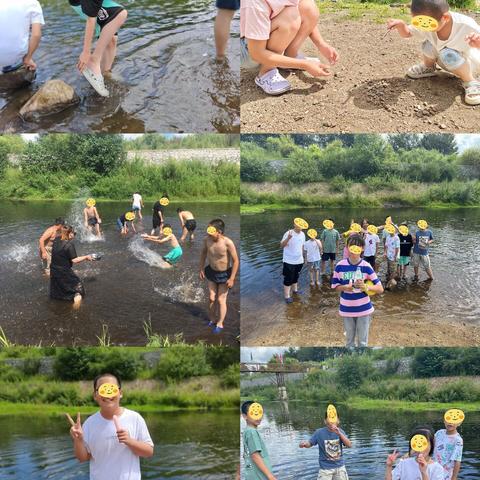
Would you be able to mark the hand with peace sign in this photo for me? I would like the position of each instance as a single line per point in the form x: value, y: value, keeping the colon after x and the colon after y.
x: 392, y: 457
x: 76, y: 431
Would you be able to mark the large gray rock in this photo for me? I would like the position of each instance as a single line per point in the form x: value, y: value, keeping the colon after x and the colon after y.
x: 17, y: 79
x: 53, y: 97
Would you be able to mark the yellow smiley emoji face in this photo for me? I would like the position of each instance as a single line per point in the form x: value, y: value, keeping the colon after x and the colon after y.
x: 454, y: 416
x: 167, y: 231
x: 403, y: 230
x: 300, y: 223
x: 355, y: 249
x: 332, y: 415
x: 419, y: 443
x: 422, y: 224
x: 164, y: 201
x: 211, y: 230
x: 129, y: 216
x: 312, y: 233
x: 425, y: 23
x: 372, y: 229
x: 90, y: 202
x: 355, y: 227
x: 389, y: 228
x: 255, y: 411
x: 108, y: 390
x: 328, y: 224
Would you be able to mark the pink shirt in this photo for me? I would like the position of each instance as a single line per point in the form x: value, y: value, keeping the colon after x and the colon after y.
x: 256, y: 16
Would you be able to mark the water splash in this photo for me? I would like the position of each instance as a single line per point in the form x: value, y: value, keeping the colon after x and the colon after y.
x: 75, y: 218
x: 186, y: 290
x: 141, y: 252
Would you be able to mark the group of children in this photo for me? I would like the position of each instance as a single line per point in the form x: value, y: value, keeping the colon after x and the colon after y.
x: 430, y: 455
x: 355, y: 275
x: 274, y: 31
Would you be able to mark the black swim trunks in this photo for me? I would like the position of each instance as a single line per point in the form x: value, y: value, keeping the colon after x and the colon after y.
x: 191, y: 225
x: 217, y: 277
x: 92, y: 221
x: 104, y: 10
x: 291, y: 272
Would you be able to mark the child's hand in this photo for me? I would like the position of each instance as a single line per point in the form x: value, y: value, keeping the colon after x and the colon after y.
x: 317, y: 69
x: 422, y: 463
x: 123, y: 436
x: 349, y: 287
x: 230, y: 282
x: 473, y: 40
x: 360, y: 284
x: 335, y: 429
x: 303, y: 444
x: 83, y: 60
x: 76, y: 431
x: 201, y: 274
x: 398, y: 25
x: 329, y: 53
x: 392, y: 457
x: 144, y: 235
x: 29, y: 63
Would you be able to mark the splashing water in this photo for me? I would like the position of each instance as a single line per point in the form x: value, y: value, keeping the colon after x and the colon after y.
x: 75, y: 217
x: 17, y: 253
x: 144, y: 254
x: 185, y: 291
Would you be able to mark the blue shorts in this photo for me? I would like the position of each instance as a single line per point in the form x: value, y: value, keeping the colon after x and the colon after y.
x: 136, y: 209
x: 314, y: 265
x: 228, y: 4
x: 174, y: 255
x: 120, y: 225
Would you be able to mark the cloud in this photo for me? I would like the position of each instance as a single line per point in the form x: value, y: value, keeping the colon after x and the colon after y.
x: 260, y: 354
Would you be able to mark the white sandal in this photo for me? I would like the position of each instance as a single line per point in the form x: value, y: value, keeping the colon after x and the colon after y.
x: 421, y: 71
x: 472, y: 92
x: 96, y: 81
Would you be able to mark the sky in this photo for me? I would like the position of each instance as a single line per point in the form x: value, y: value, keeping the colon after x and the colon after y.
x: 259, y: 354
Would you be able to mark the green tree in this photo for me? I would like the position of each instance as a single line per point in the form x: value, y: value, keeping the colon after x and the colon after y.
x: 4, y: 152
x: 404, y: 141
x: 442, y: 142
x: 430, y: 362
x: 352, y: 370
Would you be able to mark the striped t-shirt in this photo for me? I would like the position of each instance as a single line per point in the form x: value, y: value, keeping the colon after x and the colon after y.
x: 353, y: 304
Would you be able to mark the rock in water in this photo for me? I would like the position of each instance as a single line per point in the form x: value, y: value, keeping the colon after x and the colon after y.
x: 53, y: 97
x: 17, y: 79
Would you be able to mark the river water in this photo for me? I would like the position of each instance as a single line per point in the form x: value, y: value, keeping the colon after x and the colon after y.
x: 165, y: 79
x: 126, y: 288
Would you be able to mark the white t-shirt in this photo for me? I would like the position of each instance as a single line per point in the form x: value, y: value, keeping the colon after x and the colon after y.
x: 293, y: 251
x: 137, y: 200
x: 448, y: 450
x: 371, y: 242
x: 408, y: 469
x: 16, y: 17
x: 110, y: 458
x: 462, y: 26
x: 312, y: 249
x: 391, y: 244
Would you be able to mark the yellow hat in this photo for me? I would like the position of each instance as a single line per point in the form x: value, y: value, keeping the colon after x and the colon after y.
x: 300, y: 223
x: 355, y: 249
x: 255, y: 411
x: 108, y: 390
x: 419, y: 443
x: 454, y: 416
x: 312, y: 233
x: 211, y: 230
x: 372, y: 229
x: 389, y: 228
x: 90, y: 202
x: 355, y: 227
x: 369, y: 283
x: 130, y: 216
x: 422, y: 224
x: 167, y: 231
x: 403, y: 229
x: 332, y: 414
x: 328, y: 224
x: 164, y: 201
x: 425, y: 23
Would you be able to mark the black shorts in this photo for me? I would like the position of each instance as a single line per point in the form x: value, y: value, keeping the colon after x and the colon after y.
x: 156, y: 221
x: 107, y: 12
x: 228, y: 4
x: 328, y: 256
x: 191, y: 225
x: 291, y: 273
x: 370, y: 260
x: 216, y: 276
x: 92, y: 221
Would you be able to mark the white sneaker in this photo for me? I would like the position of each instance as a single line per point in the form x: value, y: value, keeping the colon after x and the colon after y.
x: 273, y: 83
x: 96, y: 81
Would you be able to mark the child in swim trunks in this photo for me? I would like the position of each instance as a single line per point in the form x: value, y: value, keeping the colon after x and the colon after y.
x: 91, y: 217
x: 103, y: 19
x: 222, y: 266
x: 115, y: 438
x: 226, y: 10
x: 125, y: 219
x: 188, y: 222
x: 176, y: 252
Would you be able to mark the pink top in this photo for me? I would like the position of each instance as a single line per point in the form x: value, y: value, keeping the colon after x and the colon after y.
x: 256, y: 16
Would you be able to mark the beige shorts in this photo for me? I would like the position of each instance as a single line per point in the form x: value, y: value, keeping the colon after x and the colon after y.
x: 333, y: 474
x: 421, y: 260
x: 46, y: 262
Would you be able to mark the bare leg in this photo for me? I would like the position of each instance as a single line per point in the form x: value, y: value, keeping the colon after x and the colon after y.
x: 312, y: 273
x: 332, y: 266
x: 184, y: 234
x: 77, y: 301
x: 429, y: 273
x: 222, y: 30
x: 317, y: 276
x: 309, y: 20
x: 109, y: 55
x: 324, y: 267
x: 222, y: 294
x: 429, y: 62
x: 97, y: 228
x: 464, y: 73
x: 212, y: 299
x: 287, y: 291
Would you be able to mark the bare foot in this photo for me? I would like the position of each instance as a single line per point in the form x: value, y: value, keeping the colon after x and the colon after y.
x: 77, y: 301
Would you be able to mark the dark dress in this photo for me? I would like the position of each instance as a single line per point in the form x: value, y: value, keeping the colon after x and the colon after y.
x: 64, y: 283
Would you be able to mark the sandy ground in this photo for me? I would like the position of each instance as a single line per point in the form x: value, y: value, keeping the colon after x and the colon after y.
x: 368, y: 92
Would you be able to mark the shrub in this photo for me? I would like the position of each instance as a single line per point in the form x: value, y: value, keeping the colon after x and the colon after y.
x: 74, y: 363
x: 123, y: 363
x: 230, y: 378
x: 220, y: 357
x: 182, y: 361
x: 339, y: 184
x: 352, y: 370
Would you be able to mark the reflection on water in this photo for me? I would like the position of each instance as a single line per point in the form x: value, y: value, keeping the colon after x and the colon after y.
x: 165, y: 78
x: 374, y: 435
x: 123, y: 290
x: 40, y: 448
x: 453, y: 256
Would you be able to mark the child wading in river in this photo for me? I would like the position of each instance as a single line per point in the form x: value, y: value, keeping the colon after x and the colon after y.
x: 176, y: 252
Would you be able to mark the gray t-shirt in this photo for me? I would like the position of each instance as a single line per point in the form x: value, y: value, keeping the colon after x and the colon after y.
x: 253, y: 443
x: 330, y: 448
x: 421, y: 244
x: 329, y: 240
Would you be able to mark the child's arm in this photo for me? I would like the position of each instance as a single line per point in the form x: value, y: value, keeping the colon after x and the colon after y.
x: 76, y: 432
x: 320, y: 246
x: 258, y: 461
x: 203, y: 257
x: 390, y: 461
x: 97, y: 216
x: 133, y: 227
x: 344, y: 439
x: 284, y: 243
x: 181, y: 220
x: 85, y: 217
x: 235, y: 263
x: 323, y: 47
x: 456, y: 469
x: 305, y: 444
x: 35, y: 37
x: 260, y: 54
x: 473, y: 39
x: 400, y: 26
x: 141, y: 449
x: 87, y: 43
x: 156, y: 239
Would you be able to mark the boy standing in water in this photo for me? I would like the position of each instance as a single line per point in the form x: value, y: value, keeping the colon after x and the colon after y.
x: 46, y: 243
x: 114, y: 439
x: 406, y: 244
x: 225, y: 11
x: 330, y: 239
x: 188, y: 222
x: 91, y: 217
x: 392, y: 250
x: 137, y: 204
x: 255, y: 453
x: 422, y: 240
x: 222, y: 266
x: 103, y: 19
x: 175, y: 254
x: 158, y: 215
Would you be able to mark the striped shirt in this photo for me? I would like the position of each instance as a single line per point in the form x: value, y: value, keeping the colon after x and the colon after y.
x: 353, y: 304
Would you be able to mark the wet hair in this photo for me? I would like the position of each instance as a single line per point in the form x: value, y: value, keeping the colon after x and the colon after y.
x: 432, y: 8
x: 179, y: 209
x: 165, y: 195
x: 331, y: 219
x: 103, y: 375
x: 356, y: 240
x: 59, y: 221
x: 245, y: 406
x: 167, y: 225
x: 219, y: 224
x: 428, y: 432
x: 66, y: 231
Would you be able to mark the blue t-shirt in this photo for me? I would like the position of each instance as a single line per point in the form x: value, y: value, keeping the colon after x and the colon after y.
x: 330, y: 448
x: 421, y: 245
